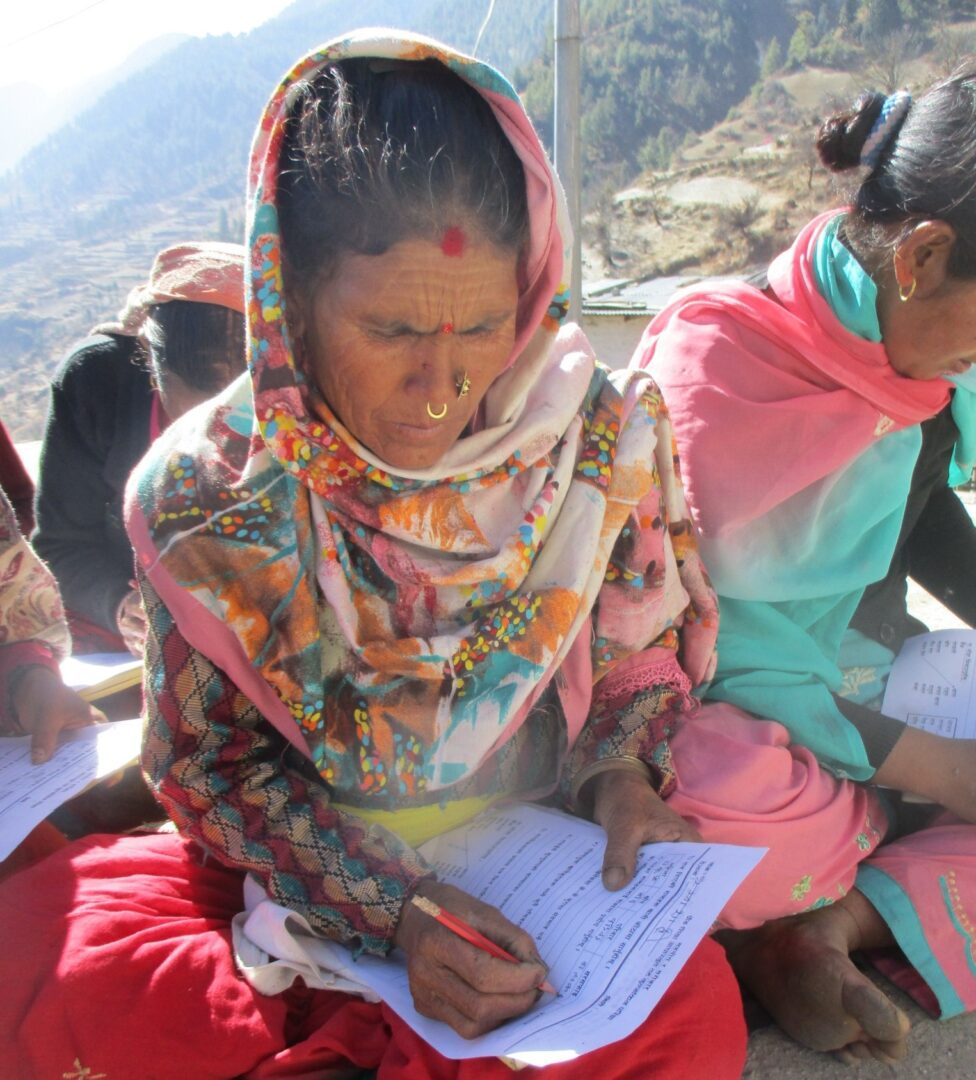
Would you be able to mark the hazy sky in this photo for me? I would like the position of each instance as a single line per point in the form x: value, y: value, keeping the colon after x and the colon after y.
x: 59, y: 43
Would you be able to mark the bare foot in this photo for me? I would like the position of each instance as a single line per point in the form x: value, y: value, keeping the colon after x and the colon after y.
x: 800, y: 970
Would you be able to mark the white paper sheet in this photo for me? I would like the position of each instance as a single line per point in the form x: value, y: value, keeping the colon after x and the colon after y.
x: 611, y: 955
x: 92, y: 670
x: 28, y: 793
x: 931, y: 684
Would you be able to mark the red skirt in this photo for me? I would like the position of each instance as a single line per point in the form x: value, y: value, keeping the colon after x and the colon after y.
x: 117, y: 964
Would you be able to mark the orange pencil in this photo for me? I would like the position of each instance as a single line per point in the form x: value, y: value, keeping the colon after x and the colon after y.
x: 469, y: 934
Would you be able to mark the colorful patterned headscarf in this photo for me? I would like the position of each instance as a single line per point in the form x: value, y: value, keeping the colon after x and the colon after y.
x: 399, y: 626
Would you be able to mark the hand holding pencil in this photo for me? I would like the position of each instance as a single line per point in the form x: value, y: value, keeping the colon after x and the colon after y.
x: 454, y: 975
x: 468, y: 933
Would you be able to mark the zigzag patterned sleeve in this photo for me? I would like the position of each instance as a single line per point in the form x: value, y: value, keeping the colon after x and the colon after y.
x: 218, y: 769
x: 632, y: 728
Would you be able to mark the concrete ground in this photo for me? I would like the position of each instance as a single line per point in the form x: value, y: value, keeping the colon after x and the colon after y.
x: 937, y: 1050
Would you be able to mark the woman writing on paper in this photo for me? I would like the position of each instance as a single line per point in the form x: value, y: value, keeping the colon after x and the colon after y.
x: 816, y: 421
x: 428, y: 554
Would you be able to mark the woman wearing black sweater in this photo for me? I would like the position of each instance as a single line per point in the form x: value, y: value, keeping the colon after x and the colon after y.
x: 178, y: 341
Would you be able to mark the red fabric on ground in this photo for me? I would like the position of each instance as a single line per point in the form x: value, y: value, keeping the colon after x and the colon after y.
x: 117, y: 960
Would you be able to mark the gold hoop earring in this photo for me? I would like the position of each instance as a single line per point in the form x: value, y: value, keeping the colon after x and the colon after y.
x: 437, y: 415
x: 903, y: 296
x: 463, y: 385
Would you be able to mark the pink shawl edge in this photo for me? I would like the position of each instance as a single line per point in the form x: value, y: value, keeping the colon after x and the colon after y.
x: 859, y: 408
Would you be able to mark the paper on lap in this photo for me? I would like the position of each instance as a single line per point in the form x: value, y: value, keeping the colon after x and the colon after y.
x: 931, y: 685
x: 28, y: 793
x: 611, y: 955
x: 97, y: 675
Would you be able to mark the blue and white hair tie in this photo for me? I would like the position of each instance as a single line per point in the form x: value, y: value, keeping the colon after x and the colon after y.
x: 892, y: 114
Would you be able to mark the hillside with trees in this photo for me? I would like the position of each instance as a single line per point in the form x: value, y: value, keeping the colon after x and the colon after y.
x: 675, y: 93
x: 659, y: 72
x: 161, y: 158
x: 726, y: 199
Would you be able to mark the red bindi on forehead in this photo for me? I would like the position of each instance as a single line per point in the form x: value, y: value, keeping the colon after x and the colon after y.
x: 453, y: 241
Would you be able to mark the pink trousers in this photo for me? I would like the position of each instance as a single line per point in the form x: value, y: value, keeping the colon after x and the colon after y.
x: 740, y: 782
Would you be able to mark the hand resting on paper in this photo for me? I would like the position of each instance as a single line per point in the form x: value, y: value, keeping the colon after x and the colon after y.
x: 44, y: 707
x: 938, y: 768
x: 452, y: 980
x: 633, y: 814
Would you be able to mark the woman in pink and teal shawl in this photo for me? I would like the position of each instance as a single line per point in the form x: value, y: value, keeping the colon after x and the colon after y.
x: 427, y: 554
x: 816, y: 420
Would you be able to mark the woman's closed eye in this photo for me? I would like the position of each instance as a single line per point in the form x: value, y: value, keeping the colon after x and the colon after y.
x: 404, y: 332
x: 480, y: 331
x: 395, y: 332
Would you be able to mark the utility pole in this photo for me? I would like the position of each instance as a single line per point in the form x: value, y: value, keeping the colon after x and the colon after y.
x: 566, y: 101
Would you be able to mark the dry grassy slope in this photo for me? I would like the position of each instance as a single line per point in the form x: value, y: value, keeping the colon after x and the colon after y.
x: 733, y: 196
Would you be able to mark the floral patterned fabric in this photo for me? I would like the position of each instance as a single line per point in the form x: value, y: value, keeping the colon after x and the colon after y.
x: 33, y: 629
x: 30, y: 605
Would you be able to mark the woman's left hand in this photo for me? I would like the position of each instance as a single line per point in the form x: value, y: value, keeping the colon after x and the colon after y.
x: 632, y: 813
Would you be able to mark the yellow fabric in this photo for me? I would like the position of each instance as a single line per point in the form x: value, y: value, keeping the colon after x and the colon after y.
x: 416, y: 825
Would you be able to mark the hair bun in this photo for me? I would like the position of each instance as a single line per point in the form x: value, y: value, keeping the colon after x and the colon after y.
x: 841, y: 138
x: 886, y: 127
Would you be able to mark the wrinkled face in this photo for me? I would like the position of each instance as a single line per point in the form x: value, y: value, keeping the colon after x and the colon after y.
x: 390, y: 339
x: 935, y: 335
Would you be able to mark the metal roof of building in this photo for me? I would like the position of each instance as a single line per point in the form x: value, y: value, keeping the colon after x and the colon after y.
x: 627, y: 298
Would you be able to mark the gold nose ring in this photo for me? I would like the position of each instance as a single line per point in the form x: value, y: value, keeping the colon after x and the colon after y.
x: 437, y: 415
x: 463, y: 385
